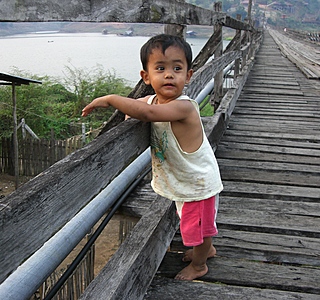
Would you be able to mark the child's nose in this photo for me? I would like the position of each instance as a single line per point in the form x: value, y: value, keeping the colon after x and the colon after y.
x: 168, y: 75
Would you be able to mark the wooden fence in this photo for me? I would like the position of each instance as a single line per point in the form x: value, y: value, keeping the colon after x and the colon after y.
x: 35, y: 155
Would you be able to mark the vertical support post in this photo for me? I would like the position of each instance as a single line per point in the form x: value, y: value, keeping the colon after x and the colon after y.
x: 176, y: 29
x: 218, y: 79
x: 23, y: 128
x: 237, y: 62
x: 15, y: 136
x: 249, y: 9
x: 83, y: 127
x: 52, y: 158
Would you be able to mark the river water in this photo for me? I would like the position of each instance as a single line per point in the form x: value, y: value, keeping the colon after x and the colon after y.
x: 48, y: 53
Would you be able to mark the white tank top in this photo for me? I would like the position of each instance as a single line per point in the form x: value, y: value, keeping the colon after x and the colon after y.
x: 179, y: 175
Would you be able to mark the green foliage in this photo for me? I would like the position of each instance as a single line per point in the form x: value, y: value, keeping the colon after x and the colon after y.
x: 207, y: 110
x: 58, y: 105
x: 89, y: 84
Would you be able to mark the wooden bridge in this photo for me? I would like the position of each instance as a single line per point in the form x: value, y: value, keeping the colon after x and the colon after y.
x: 266, y: 135
x: 268, y: 246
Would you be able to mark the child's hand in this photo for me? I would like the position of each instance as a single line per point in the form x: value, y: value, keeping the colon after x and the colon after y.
x: 87, y: 110
x: 98, y: 102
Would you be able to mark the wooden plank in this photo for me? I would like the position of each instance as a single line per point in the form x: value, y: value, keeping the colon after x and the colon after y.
x: 129, y: 272
x: 139, y: 201
x: 257, y: 90
x: 307, y: 138
x: 273, y: 149
x: 281, y: 207
x: 170, y: 289
x: 277, y: 128
x: 281, y: 105
x: 263, y: 176
x: 134, y: 11
x: 240, y: 172
x: 272, y: 141
x: 242, y: 154
x: 277, y: 85
x: 263, y: 247
x: 272, y: 81
x: 309, y: 102
x: 271, y: 191
x: 241, y: 272
x: 304, y: 57
x: 274, y: 223
x: 44, y: 204
x: 274, y: 113
x: 290, y: 122
x: 274, y: 126
x: 270, y: 166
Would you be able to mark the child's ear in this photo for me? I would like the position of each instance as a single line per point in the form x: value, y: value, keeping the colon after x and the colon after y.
x: 145, y: 77
x: 189, y: 75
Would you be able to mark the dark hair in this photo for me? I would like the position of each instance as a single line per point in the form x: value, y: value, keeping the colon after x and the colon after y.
x: 163, y: 42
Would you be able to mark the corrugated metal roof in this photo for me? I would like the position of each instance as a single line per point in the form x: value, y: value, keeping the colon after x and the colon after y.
x: 7, y: 79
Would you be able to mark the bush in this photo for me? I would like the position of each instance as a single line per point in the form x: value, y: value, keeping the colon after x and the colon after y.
x: 57, y: 103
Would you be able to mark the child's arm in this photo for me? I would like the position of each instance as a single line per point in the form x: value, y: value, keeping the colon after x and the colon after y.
x: 172, y: 111
x: 105, y: 102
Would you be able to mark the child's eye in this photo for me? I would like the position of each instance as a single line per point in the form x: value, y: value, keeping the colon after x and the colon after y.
x: 160, y: 68
x: 177, y: 68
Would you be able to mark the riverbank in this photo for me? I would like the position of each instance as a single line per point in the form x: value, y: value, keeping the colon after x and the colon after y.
x: 138, y: 29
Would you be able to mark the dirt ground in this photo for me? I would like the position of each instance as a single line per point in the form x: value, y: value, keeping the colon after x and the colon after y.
x: 105, y: 245
x: 7, y: 184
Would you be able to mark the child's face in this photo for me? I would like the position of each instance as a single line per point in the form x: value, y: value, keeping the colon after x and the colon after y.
x: 167, y: 73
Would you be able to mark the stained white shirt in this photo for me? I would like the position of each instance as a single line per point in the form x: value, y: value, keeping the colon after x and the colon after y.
x: 179, y: 175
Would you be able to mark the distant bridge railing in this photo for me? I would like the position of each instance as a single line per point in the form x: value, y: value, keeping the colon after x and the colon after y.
x: 38, y: 211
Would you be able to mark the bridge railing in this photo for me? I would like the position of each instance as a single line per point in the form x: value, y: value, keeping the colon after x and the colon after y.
x: 37, y: 211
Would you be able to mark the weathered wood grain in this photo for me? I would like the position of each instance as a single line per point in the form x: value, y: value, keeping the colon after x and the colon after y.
x: 269, y: 222
x: 306, y: 58
x: 138, y: 257
x: 34, y: 212
x: 259, y: 246
x: 238, y: 272
x: 170, y: 289
x: 208, y: 71
x: 239, y: 154
x: 247, y: 139
x: 268, y: 217
x: 274, y: 191
x: 135, y: 11
x: 271, y: 166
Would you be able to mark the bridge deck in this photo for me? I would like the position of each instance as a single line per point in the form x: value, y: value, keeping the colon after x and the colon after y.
x: 269, y: 241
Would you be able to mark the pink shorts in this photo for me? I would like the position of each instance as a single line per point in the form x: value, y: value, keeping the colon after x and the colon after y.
x: 198, y: 220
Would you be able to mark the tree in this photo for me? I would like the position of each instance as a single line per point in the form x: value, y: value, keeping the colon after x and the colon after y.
x: 58, y: 105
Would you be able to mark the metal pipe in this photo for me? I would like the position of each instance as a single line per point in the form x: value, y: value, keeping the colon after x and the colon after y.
x: 23, y: 282
x: 93, y: 238
x: 210, y: 86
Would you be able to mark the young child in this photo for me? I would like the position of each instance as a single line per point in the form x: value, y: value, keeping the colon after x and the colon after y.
x: 184, y: 168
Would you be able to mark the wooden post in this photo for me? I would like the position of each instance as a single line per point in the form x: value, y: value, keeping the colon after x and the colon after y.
x: 249, y: 9
x: 52, y: 157
x: 83, y: 128
x: 237, y: 62
x: 15, y: 136
x: 218, y: 79
x: 175, y: 29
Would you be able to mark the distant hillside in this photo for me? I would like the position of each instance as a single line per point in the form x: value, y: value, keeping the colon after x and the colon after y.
x: 295, y: 14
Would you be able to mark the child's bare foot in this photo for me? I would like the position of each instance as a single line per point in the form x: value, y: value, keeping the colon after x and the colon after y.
x: 189, y: 254
x: 191, y: 272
